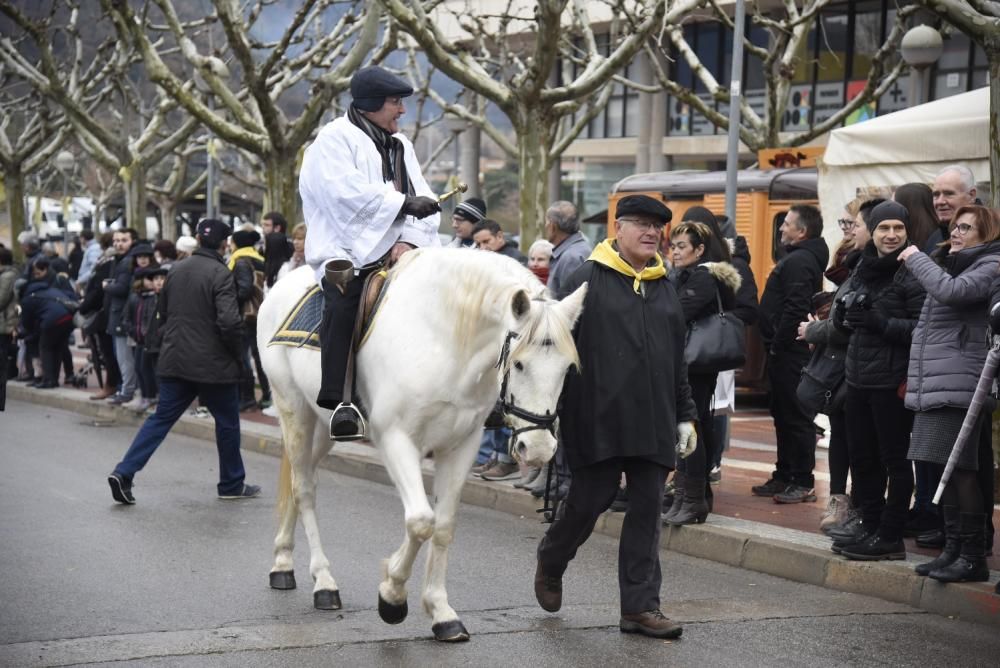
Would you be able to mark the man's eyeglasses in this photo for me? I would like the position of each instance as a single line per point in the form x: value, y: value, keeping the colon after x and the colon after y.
x: 961, y: 228
x: 644, y: 224
x: 845, y: 223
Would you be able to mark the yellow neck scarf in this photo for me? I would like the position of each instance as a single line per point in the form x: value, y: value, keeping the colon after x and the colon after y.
x: 246, y: 251
x: 606, y: 254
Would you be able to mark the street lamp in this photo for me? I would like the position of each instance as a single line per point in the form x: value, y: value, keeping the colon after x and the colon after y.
x: 65, y: 162
x: 921, y: 47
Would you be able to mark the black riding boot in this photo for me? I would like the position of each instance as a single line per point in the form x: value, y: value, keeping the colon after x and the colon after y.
x: 971, y: 564
x: 952, y: 543
x: 693, y: 508
x: 675, y: 507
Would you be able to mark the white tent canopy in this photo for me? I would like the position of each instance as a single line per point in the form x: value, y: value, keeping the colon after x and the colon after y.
x: 907, y: 146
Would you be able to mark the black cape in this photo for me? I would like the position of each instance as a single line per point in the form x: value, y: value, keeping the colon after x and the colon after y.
x: 632, y: 387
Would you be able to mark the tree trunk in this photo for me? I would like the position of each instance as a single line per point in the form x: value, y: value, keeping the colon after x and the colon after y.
x: 14, y: 183
x: 168, y: 212
x: 134, y: 184
x: 994, y: 116
x: 283, y: 187
x: 533, y: 145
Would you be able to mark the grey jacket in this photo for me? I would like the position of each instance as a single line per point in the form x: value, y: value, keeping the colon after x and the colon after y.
x: 950, y: 340
x: 567, y: 257
x: 8, y: 300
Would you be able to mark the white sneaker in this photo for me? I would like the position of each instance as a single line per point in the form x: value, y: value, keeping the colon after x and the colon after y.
x: 138, y: 404
x: 271, y: 411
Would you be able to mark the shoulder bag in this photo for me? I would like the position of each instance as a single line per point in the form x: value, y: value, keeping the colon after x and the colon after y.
x: 716, y: 342
x: 821, y: 387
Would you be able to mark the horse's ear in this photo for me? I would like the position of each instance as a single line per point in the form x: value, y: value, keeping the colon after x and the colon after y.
x: 572, y: 304
x: 520, y: 304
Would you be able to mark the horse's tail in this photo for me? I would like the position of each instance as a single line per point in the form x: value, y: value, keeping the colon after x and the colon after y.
x: 285, y: 495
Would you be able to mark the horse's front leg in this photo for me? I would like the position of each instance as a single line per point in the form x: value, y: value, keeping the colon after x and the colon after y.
x: 450, y: 472
x: 402, y: 461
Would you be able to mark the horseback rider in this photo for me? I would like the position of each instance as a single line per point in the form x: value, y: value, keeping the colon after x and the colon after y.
x: 365, y: 203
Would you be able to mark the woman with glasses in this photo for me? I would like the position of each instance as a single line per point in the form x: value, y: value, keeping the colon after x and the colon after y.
x: 947, y: 354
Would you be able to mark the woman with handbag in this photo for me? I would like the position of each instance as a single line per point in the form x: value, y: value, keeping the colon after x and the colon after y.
x: 706, y: 283
x: 949, y: 349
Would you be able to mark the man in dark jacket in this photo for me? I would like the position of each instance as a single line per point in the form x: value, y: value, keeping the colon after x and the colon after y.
x: 200, y: 355
x: 627, y: 410
x: 116, y: 292
x: 570, y: 248
x: 785, y: 303
x: 47, y: 307
x: 880, y: 310
x: 487, y: 235
x: 248, y: 270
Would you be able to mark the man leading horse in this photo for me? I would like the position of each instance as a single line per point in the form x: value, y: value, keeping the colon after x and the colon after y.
x: 365, y: 202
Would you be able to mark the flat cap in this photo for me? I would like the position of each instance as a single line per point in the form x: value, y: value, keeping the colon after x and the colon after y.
x: 213, y: 232
x: 888, y: 210
x: 371, y: 85
x: 643, y: 205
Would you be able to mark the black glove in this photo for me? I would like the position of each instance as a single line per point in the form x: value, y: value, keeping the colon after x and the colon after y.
x: 419, y: 206
x: 871, y: 320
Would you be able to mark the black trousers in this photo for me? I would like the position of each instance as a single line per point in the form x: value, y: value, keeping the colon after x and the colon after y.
x: 697, y: 465
x: 878, y: 439
x: 590, y: 494
x: 339, y: 313
x: 106, y: 350
x: 793, y: 426
x: 7, y: 351
x: 51, y: 343
x: 839, y: 458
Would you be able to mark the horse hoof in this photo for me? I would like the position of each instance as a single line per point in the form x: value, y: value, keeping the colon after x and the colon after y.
x: 282, y: 580
x: 453, y: 631
x: 326, y: 599
x: 392, y: 614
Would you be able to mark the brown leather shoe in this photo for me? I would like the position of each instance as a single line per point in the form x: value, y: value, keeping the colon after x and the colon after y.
x: 548, y: 590
x: 103, y: 394
x: 653, y: 624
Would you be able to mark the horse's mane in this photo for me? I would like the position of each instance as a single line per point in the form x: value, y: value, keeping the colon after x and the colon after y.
x: 478, y: 286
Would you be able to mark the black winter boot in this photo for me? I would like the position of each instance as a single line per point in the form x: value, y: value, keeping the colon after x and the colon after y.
x: 693, y: 508
x: 971, y: 564
x: 678, y: 482
x: 952, y: 543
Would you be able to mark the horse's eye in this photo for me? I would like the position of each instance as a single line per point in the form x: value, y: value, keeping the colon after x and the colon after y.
x: 518, y: 366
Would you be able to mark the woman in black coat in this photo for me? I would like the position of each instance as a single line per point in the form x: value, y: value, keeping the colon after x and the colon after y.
x: 701, y: 278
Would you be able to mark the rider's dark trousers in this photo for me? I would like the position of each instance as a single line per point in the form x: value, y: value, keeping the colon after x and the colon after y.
x: 339, y: 312
x: 590, y: 494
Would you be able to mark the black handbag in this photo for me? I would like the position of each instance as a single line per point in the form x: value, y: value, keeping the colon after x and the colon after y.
x: 821, y: 387
x: 716, y: 342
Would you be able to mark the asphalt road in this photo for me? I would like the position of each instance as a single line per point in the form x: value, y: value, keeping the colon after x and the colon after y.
x: 180, y: 579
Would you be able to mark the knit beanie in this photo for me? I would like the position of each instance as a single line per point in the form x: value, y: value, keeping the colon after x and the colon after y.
x: 888, y: 210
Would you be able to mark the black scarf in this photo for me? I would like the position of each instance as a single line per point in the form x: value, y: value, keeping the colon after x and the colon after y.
x: 390, y: 148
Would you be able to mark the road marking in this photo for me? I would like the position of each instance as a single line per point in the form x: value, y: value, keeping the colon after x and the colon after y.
x: 764, y: 468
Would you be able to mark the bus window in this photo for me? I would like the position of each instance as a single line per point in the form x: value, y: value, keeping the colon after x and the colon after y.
x: 777, y: 249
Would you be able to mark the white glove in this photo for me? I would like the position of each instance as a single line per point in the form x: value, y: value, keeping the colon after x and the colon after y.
x: 687, y: 439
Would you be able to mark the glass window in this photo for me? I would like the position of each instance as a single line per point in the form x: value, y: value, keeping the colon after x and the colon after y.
x: 804, y: 58
x: 678, y: 117
x: 708, y: 50
x: 832, y: 47
x: 956, y: 52
x: 949, y: 83
x: 867, y: 40
x: 616, y: 116
x: 753, y: 77
x: 632, y: 102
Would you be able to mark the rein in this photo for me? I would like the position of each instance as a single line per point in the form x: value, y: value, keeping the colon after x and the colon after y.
x: 508, y: 406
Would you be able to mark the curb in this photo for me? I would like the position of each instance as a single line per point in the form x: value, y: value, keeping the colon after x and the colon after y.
x: 890, y: 581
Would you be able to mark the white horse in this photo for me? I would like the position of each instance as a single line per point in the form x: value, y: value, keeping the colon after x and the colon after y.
x: 429, y: 375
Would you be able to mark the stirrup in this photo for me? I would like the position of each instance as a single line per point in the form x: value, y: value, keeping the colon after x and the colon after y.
x: 347, y: 423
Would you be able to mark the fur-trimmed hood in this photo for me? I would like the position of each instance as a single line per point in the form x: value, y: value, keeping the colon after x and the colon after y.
x: 725, y: 273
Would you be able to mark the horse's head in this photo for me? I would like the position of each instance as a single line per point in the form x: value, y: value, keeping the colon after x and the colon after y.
x: 538, y: 352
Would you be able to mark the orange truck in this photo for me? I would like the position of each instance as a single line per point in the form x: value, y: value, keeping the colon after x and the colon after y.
x: 763, y: 198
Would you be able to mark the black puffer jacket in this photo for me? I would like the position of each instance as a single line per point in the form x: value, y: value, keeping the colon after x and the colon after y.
x: 746, y: 296
x: 243, y: 274
x: 788, y: 294
x: 696, y: 287
x: 116, y: 293
x: 879, y: 359
x: 201, y: 327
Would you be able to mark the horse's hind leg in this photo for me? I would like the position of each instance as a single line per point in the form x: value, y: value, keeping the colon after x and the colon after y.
x: 450, y: 471
x: 402, y: 460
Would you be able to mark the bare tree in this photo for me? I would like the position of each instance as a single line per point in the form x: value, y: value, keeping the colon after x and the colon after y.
x: 30, y: 134
x: 247, y: 78
x: 980, y: 21
x: 788, y: 28
x: 176, y: 188
x: 509, y: 59
x: 60, y: 76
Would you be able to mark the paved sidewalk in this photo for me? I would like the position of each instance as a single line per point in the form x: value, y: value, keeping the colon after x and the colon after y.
x: 745, y: 531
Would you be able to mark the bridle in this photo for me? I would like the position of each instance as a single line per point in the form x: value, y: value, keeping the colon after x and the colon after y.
x: 508, y: 406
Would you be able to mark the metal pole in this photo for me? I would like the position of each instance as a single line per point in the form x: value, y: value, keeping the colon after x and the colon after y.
x: 735, y: 90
